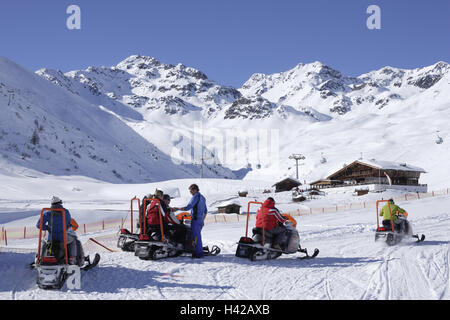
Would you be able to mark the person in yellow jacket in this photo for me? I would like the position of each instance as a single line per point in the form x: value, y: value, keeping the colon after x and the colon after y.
x: 395, y: 211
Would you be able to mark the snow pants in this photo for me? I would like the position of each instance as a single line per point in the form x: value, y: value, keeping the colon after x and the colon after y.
x: 276, y: 235
x: 178, y: 231
x: 196, y: 227
x: 400, y: 225
x: 72, y: 249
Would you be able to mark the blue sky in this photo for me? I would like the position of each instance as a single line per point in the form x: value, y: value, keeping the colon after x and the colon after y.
x: 228, y: 40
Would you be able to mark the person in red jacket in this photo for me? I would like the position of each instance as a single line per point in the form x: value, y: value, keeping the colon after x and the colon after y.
x: 153, y: 214
x: 273, y: 222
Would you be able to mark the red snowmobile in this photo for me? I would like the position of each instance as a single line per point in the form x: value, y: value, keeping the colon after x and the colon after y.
x: 259, y: 247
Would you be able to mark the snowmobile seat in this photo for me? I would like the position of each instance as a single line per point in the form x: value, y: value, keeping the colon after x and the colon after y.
x: 257, y: 231
x: 53, y: 253
x: 125, y: 231
x: 388, y: 225
x: 257, y: 235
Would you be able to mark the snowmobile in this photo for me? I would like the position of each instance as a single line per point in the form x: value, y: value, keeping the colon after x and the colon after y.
x: 127, y: 238
x: 260, y: 247
x: 51, y: 261
x: 155, y: 244
x: 392, y: 235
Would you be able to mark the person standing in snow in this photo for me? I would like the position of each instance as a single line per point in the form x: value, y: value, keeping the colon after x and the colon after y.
x: 198, y: 208
x: 274, y: 222
x: 395, y: 211
x: 52, y: 222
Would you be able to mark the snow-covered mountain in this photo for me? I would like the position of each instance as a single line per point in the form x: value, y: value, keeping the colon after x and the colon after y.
x: 145, y: 84
x: 328, y: 91
x: 315, y: 110
x: 51, y: 130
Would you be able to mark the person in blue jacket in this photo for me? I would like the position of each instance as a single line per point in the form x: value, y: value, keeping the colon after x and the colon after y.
x: 198, y: 208
x: 53, y: 223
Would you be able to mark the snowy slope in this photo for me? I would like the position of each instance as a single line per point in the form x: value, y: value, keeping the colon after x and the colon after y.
x: 50, y: 130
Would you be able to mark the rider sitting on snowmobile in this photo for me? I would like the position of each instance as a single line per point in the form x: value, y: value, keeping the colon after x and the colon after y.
x: 53, y: 223
x: 176, y: 229
x: 400, y: 224
x: 153, y: 220
x: 274, y: 223
x: 141, y: 208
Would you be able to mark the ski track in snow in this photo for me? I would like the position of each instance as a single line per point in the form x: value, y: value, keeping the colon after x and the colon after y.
x: 350, y: 265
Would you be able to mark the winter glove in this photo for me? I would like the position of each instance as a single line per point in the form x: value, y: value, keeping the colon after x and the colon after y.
x: 287, y: 223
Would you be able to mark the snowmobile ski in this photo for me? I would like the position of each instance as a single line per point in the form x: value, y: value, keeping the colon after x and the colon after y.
x: 215, y: 250
x: 92, y: 264
x: 305, y: 251
x: 419, y: 239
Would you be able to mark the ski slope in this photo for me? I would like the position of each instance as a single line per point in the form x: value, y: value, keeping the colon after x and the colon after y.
x: 350, y: 266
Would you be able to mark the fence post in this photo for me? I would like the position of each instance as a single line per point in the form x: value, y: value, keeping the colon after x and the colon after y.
x: 24, y: 232
x: 84, y: 227
x: 103, y: 225
x: 6, y: 239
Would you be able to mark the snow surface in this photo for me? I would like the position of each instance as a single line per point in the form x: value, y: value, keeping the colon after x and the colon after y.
x: 350, y: 264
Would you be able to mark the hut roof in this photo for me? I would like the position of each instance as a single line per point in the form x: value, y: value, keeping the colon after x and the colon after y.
x: 291, y: 180
x: 229, y: 203
x: 381, y: 165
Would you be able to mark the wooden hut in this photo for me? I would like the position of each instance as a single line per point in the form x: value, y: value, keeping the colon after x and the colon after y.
x: 286, y: 185
x: 378, y: 172
x: 243, y: 193
x: 229, y: 207
x: 325, y: 183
